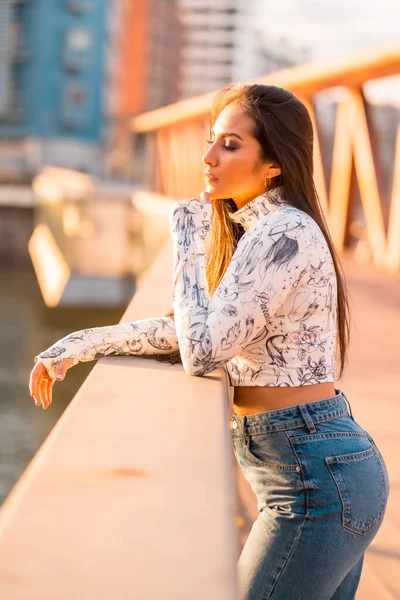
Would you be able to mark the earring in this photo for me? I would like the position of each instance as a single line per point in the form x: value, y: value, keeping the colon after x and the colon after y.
x: 267, y: 183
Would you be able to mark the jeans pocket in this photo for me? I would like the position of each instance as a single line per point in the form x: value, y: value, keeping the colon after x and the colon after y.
x: 362, y: 482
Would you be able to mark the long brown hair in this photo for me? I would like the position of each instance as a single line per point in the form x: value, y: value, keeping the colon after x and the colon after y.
x: 283, y: 127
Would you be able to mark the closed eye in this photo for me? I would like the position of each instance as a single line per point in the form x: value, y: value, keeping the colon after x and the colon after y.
x: 229, y: 148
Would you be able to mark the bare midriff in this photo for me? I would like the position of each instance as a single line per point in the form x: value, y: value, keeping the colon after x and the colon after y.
x: 250, y: 400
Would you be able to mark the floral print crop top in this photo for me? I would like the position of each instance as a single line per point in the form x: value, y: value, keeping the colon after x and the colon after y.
x: 270, y: 322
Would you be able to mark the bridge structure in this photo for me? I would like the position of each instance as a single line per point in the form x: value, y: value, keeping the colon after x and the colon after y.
x: 135, y: 493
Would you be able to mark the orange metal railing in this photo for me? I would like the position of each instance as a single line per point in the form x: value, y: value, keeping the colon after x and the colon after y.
x: 170, y: 141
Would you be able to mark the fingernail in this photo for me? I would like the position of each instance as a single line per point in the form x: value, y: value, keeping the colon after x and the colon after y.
x: 59, y: 377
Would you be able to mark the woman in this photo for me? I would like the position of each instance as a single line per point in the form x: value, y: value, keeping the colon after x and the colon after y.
x: 260, y: 292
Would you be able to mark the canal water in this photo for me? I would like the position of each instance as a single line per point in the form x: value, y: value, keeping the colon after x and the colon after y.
x: 26, y: 328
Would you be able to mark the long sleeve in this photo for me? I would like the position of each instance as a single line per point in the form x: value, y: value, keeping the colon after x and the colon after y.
x: 211, y: 331
x: 146, y: 337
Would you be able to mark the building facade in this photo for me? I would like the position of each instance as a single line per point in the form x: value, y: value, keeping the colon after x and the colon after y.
x: 258, y: 49
x: 229, y: 40
x: 208, y: 40
x: 146, y: 65
x: 53, y: 77
x: 144, y: 70
x: 72, y: 70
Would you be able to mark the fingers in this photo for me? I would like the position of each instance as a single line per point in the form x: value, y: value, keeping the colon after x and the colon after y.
x: 34, y: 378
x: 33, y: 387
x: 40, y: 385
x: 44, y: 388
x: 36, y: 398
x: 41, y: 393
x: 48, y: 390
x: 204, y: 197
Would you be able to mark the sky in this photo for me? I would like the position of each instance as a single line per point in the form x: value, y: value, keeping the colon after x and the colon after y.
x: 337, y: 27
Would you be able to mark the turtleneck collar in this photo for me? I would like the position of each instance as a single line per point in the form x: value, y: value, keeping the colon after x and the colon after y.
x: 258, y: 207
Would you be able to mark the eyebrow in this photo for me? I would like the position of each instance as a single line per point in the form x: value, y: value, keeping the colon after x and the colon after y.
x: 225, y: 135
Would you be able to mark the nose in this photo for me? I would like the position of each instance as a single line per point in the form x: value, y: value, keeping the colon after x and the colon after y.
x: 209, y: 157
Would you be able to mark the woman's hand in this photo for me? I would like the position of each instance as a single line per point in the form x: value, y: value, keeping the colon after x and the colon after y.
x: 41, y: 385
x: 204, y: 197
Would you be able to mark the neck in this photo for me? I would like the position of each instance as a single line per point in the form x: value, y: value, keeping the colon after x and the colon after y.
x: 241, y: 202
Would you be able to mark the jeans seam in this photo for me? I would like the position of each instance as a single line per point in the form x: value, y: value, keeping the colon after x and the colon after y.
x: 298, y: 533
x: 316, y: 437
x: 287, y: 559
x: 302, y: 474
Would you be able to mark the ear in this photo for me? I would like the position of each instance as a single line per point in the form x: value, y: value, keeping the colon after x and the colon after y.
x: 273, y: 171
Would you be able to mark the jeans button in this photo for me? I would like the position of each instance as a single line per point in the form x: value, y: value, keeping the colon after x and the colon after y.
x: 234, y: 424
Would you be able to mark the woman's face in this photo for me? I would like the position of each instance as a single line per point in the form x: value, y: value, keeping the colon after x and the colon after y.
x: 234, y: 168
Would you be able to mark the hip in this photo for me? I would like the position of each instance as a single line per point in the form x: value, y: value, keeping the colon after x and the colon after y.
x: 313, y: 459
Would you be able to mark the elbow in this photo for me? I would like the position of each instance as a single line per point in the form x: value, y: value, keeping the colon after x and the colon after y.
x: 192, y: 369
x: 198, y: 368
x: 193, y: 366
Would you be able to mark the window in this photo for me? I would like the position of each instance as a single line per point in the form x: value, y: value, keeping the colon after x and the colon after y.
x: 15, y: 113
x: 79, y: 49
x: 5, y: 46
x: 80, y: 6
x: 75, y: 105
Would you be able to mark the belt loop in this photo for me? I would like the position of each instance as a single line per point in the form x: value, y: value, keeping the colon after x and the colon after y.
x: 307, y: 418
x: 348, y: 405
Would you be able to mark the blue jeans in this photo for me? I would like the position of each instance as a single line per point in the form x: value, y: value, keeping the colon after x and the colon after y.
x: 322, y: 488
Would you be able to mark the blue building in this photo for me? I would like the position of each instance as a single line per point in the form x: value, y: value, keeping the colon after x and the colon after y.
x: 53, y: 84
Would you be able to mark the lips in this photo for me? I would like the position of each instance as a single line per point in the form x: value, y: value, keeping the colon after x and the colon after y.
x: 211, y: 178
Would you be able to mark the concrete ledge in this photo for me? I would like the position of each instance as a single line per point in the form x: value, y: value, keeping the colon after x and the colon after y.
x: 132, y: 493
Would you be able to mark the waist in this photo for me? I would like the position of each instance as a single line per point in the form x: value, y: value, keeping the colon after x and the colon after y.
x: 249, y: 400
x: 291, y: 417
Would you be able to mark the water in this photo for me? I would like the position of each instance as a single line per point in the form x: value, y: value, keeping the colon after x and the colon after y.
x: 26, y: 328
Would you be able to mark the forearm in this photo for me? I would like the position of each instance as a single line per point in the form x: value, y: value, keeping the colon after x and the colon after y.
x: 139, y: 338
x: 189, y: 224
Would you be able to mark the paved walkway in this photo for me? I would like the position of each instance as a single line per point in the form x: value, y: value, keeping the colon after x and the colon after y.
x: 372, y: 384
